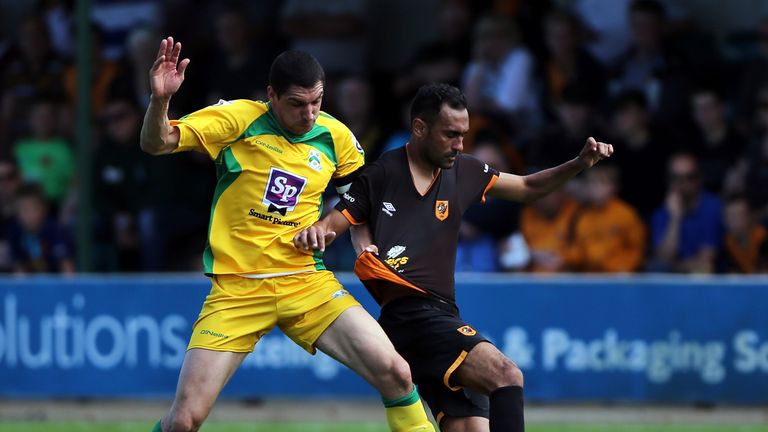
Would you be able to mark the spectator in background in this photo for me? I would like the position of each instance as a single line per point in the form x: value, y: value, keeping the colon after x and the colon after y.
x: 745, y: 246
x: 240, y: 62
x: 547, y: 226
x: 483, y: 226
x: 44, y: 156
x: 557, y: 142
x: 58, y: 16
x: 38, y: 243
x: 688, y: 229
x: 643, y: 150
x: 9, y: 184
x: 354, y: 105
x: 568, y: 63
x: 334, y: 31
x: 34, y: 73
x: 121, y: 183
x: 103, y: 71
x: 716, y: 142
x: 608, y: 234
x: 498, y: 81
x: 652, y: 66
x: 755, y: 172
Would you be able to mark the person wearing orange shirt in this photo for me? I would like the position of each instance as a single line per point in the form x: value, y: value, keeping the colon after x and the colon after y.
x: 609, y: 235
x: 546, y: 225
x: 745, y: 246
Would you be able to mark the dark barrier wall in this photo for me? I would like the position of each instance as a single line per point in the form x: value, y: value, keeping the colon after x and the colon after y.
x: 634, y: 339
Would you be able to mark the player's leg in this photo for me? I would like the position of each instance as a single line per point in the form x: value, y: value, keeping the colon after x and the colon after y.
x: 356, y: 340
x: 464, y: 424
x: 203, y: 375
x: 487, y: 370
x: 235, y: 315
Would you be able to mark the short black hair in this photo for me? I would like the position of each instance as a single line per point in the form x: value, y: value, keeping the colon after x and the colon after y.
x: 295, y: 68
x: 430, y: 98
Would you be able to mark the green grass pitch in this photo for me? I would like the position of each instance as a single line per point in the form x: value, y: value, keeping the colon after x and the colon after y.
x: 351, y: 427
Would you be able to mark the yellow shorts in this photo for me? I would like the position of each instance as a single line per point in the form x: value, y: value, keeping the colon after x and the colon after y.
x: 239, y: 311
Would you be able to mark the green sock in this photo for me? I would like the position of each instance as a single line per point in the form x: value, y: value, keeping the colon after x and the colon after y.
x: 157, y: 427
x: 406, y: 414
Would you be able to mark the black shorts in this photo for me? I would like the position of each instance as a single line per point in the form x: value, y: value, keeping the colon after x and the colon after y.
x: 434, y: 340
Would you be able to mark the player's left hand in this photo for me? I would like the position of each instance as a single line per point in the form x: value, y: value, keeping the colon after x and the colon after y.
x: 594, y: 151
x: 314, y: 237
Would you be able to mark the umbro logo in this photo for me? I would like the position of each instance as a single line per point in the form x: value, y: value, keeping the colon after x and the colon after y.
x: 388, y: 208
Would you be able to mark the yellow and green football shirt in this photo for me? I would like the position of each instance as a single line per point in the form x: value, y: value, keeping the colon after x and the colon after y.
x: 270, y: 183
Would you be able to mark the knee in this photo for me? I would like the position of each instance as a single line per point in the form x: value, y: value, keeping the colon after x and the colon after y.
x: 395, y: 373
x: 509, y: 375
x: 183, y: 420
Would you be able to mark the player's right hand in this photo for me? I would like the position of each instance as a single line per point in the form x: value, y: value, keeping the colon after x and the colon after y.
x: 167, y: 73
x: 314, y: 237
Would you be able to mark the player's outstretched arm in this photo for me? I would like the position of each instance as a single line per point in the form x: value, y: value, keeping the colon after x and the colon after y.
x: 534, y: 186
x: 322, y: 233
x: 165, y: 78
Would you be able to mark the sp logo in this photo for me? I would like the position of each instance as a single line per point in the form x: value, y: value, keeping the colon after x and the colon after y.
x: 441, y: 210
x: 283, y: 191
x: 466, y: 330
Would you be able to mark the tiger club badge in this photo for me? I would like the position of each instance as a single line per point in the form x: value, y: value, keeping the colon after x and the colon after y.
x: 441, y: 210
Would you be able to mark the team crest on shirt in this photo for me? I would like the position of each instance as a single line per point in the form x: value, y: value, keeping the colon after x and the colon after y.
x: 466, y: 330
x: 315, y: 160
x: 441, y: 210
x: 283, y: 191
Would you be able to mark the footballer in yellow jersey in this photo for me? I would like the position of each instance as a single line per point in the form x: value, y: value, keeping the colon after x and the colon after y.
x: 270, y: 183
x: 273, y: 160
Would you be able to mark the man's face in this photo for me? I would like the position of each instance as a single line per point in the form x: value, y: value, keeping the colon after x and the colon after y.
x: 738, y: 219
x: 684, y: 177
x: 297, y: 109
x: 445, y: 137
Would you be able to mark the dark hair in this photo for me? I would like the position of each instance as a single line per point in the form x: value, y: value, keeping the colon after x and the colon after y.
x: 430, y: 98
x: 574, y: 94
x: 630, y: 99
x: 652, y: 7
x: 295, y: 68
x: 31, y: 190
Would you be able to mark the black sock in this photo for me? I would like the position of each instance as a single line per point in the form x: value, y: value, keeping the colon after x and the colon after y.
x: 506, y: 414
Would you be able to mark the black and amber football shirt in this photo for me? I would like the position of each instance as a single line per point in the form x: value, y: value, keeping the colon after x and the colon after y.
x: 417, y: 235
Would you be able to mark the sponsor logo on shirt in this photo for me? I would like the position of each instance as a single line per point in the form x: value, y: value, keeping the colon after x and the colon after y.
x: 394, y: 259
x: 441, y: 210
x: 388, y: 208
x: 466, y: 330
x: 314, y: 160
x: 283, y: 191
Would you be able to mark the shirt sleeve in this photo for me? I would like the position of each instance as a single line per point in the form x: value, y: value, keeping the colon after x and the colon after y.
x: 356, y: 203
x: 211, y: 129
x: 475, y: 179
x: 351, y: 159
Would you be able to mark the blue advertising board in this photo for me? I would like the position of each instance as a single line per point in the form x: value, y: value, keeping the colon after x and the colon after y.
x: 576, y: 338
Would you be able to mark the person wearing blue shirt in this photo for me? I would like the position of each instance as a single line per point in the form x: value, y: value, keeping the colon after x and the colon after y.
x: 688, y: 228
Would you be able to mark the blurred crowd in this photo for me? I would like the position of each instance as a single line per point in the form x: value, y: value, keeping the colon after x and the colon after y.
x: 686, y: 191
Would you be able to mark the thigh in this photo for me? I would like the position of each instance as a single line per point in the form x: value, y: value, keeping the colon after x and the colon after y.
x: 236, y: 314
x: 464, y: 424
x: 203, y: 375
x: 482, y: 367
x: 356, y: 340
x: 310, y: 303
